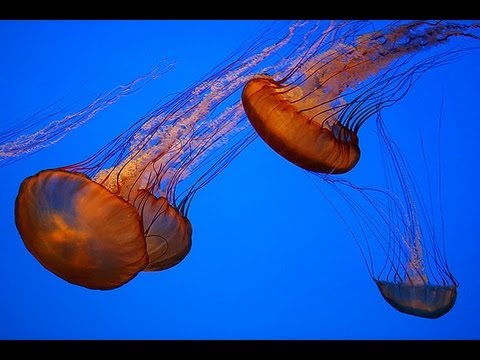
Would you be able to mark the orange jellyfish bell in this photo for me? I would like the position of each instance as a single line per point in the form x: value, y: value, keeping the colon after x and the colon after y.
x: 168, y: 233
x: 91, y: 237
x: 79, y: 230
x: 326, y: 147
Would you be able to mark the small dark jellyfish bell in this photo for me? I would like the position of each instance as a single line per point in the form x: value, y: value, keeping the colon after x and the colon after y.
x: 423, y: 300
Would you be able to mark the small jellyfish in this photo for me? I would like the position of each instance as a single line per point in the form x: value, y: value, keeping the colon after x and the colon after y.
x: 401, y: 242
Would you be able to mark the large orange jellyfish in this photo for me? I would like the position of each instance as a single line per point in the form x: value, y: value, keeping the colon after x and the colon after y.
x: 98, y: 223
x: 401, y: 243
x: 311, y: 115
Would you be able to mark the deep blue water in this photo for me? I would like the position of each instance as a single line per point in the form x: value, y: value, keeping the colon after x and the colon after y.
x: 270, y: 258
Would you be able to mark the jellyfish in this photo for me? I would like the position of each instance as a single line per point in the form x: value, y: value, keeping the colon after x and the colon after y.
x: 99, y: 222
x: 401, y: 242
x: 311, y: 114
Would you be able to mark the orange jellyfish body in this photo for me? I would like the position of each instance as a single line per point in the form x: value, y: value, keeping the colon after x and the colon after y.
x: 168, y: 233
x: 91, y: 237
x: 311, y: 145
